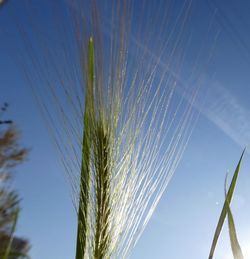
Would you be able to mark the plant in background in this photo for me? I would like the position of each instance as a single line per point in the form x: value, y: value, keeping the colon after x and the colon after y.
x: 11, y: 247
x: 2, y: 2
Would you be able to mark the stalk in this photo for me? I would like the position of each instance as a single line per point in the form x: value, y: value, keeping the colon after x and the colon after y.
x: 82, y: 230
x: 96, y: 139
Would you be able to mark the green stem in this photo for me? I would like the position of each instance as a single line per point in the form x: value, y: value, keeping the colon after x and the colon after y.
x: 82, y: 230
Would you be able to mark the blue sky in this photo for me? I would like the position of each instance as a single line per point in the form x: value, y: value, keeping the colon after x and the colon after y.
x: 184, y: 222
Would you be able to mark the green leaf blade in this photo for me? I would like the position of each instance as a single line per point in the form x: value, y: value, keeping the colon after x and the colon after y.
x: 225, y: 207
x: 236, y: 249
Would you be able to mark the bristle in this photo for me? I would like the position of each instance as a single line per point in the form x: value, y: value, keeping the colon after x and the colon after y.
x: 111, y: 90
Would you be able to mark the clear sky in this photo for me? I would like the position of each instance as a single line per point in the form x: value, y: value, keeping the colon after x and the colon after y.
x: 218, y: 47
